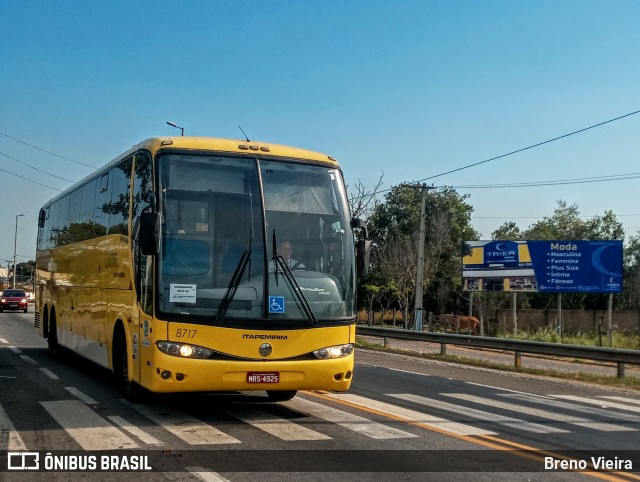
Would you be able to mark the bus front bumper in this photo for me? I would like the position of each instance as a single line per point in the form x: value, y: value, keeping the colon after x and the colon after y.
x: 172, y: 374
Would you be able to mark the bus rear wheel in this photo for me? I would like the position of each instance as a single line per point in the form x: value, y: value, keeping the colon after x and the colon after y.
x: 52, y: 340
x: 281, y: 395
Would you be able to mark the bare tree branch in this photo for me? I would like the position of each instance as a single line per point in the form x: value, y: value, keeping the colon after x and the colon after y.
x: 364, y: 201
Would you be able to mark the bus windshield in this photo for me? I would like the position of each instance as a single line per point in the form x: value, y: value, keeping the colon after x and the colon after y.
x: 226, y: 219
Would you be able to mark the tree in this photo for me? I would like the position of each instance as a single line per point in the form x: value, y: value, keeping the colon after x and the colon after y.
x: 364, y: 201
x: 509, y: 231
x: 630, y: 298
x: 565, y: 223
x: 397, y: 265
x: 394, y: 226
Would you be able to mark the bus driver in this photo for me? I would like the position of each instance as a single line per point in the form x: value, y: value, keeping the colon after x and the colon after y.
x: 285, y: 250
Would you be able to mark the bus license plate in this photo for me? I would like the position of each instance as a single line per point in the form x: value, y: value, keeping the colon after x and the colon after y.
x: 263, y: 377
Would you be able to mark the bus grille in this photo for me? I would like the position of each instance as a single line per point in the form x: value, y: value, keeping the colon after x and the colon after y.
x: 37, y: 323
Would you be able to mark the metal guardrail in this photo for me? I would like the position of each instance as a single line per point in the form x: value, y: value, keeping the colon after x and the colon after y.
x: 613, y: 355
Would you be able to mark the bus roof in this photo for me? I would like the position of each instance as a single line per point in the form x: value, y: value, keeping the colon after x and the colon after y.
x: 233, y: 146
x: 214, y: 144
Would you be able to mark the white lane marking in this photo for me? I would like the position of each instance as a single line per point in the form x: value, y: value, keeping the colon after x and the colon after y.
x: 205, y: 475
x: 394, y: 369
x: 185, y: 427
x: 9, y: 437
x: 2, y: 340
x: 412, y: 415
x: 137, y: 432
x: 347, y: 420
x: 536, y: 412
x: 87, y: 428
x: 14, y: 349
x: 50, y: 374
x: 478, y: 414
x: 81, y: 396
x: 278, y: 427
x: 600, y: 403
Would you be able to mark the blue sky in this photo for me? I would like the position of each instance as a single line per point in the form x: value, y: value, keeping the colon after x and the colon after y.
x: 408, y: 89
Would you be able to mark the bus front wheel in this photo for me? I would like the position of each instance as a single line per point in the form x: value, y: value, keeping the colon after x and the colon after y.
x: 281, y: 395
x: 130, y: 389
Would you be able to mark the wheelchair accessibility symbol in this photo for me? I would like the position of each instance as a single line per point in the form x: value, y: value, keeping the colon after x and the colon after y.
x: 276, y: 304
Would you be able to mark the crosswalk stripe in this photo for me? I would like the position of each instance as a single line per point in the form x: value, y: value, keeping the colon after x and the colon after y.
x: 591, y: 411
x: 477, y: 414
x: 505, y: 390
x: 87, y: 428
x: 599, y: 403
x: 205, y: 475
x: 546, y: 414
x: 143, y: 436
x: 81, y: 396
x: 623, y: 399
x: 412, y: 415
x: 346, y: 420
x: 278, y: 427
x: 9, y: 438
x: 185, y: 427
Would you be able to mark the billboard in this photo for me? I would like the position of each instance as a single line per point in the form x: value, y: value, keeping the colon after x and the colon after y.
x: 544, y: 266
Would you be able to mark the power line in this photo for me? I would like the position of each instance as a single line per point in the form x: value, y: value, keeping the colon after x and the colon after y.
x: 558, y: 182
x: 30, y: 180
x: 531, y: 146
x: 48, y: 152
x: 35, y: 168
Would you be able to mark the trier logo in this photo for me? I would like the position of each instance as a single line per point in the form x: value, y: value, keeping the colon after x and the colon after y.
x: 501, y: 252
x: 23, y: 460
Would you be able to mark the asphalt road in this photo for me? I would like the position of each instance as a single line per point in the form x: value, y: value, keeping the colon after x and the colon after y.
x: 403, y: 419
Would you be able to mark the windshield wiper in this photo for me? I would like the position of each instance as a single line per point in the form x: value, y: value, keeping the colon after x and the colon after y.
x: 233, y: 286
x: 288, y: 275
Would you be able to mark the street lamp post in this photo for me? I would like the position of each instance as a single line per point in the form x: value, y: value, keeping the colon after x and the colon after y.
x: 173, y: 124
x: 15, y: 245
x: 6, y: 280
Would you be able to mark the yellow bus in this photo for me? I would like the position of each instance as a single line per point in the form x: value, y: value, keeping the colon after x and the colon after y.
x: 192, y: 264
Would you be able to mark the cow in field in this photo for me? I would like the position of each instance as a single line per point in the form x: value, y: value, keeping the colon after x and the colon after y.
x: 462, y: 323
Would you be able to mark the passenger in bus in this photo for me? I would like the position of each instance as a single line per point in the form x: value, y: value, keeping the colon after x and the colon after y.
x: 285, y: 249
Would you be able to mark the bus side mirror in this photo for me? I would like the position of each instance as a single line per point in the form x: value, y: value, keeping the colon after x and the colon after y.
x: 357, y: 223
x: 149, y: 233
x: 363, y: 247
x: 363, y: 252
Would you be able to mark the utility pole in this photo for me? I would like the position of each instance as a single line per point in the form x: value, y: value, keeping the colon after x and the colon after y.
x: 420, y: 269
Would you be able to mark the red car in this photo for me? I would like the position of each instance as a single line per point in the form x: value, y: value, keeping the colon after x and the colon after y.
x: 14, y: 300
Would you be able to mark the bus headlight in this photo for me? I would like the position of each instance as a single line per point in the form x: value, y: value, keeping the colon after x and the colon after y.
x: 184, y: 350
x: 337, y: 351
